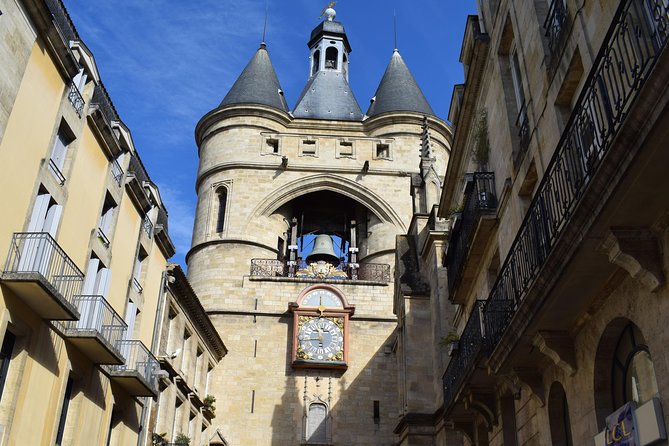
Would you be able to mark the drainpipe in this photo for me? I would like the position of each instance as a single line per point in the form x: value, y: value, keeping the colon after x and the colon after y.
x: 143, y: 438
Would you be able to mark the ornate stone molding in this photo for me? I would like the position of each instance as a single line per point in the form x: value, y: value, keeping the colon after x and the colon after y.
x: 559, y: 347
x: 637, y: 251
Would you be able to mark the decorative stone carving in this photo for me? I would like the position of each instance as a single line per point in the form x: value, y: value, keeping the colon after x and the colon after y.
x: 637, y: 251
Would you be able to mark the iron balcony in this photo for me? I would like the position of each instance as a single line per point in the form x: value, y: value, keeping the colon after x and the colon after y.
x: 98, y: 331
x: 470, y: 233
x: 39, y: 272
x: 138, y: 374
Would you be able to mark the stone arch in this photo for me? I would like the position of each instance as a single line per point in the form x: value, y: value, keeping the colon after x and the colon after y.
x: 621, y: 340
x: 377, y: 205
x: 558, y: 415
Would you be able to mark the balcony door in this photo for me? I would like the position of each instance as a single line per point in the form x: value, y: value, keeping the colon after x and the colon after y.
x: 36, y: 250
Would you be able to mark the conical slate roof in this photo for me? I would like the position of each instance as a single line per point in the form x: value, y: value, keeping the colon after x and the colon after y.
x: 327, y: 95
x: 398, y: 91
x: 257, y: 84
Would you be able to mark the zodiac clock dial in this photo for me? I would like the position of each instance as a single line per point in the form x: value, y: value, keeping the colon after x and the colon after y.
x: 320, y: 339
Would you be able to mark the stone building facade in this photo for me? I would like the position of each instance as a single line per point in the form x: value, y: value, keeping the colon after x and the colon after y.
x: 312, y: 338
x: 554, y: 272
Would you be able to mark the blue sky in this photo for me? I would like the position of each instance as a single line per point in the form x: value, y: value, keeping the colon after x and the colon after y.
x: 167, y: 63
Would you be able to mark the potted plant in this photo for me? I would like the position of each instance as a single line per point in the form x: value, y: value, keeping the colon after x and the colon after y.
x: 209, y: 401
x: 182, y: 439
x: 452, y: 341
x: 158, y: 439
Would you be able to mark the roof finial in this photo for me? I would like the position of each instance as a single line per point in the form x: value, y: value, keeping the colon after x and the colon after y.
x: 328, y: 12
x: 395, y: 26
x: 264, y: 29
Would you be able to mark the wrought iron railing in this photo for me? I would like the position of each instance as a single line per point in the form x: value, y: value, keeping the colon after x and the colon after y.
x: 38, y: 252
x: 104, y: 103
x: 555, y: 24
x: 479, y: 197
x: 117, y: 172
x: 470, y: 345
x: 147, y: 226
x: 62, y: 20
x: 75, y: 98
x: 137, y: 286
x: 138, y: 361
x: 376, y: 272
x: 97, y: 316
x: 637, y: 36
x: 56, y: 171
x: 523, y: 126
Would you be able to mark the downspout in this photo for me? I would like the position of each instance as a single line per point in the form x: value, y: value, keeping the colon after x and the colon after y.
x: 143, y: 438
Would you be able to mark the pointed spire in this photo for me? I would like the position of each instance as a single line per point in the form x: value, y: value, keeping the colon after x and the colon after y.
x: 258, y: 84
x: 398, y: 91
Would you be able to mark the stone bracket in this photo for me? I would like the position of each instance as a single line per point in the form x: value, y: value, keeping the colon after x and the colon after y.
x: 559, y: 347
x: 531, y: 377
x: 637, y: 251
x: 483, y: 402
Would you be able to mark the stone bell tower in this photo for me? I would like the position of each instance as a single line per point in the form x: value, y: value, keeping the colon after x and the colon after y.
x: 311, y: 338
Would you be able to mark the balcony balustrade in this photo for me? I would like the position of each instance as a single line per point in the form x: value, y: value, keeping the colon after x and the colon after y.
x: 117, y: 172
x: 471, y: 230
x: 635, y: 40
x: 147, y: 226
x: 75, y: 98
x: 373, y: 272
x: 555, y: 26
x: 138, y: 374
x: 39, y: 272
x: 98, y: 331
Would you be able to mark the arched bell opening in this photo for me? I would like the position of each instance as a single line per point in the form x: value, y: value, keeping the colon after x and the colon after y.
x: 326, y: 232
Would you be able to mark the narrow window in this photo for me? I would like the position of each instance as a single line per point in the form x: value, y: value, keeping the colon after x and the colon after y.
x: 185, y: 350
x: 317, y: 423
x: 222, y: 203
x: 171, y: 331
x: 5, y: 358
x: 253, y: 400
x: 140, y: 260
x: 346, y: 148
x: 377, y: 412
x: 198, y: 368
x: 280, y: 248
x: 210, y: 367
x: 316, y: 61
x: 558, y: 414
x: 106, y: 219
x: 521, y: 121
x: 113, y: 422
x: 272, y: 145
x: 383, y: 151
x: 37, y: 249
x: 131, y: 313
x: 63, y: 412
x: 309, y: 147
x: 331, y: 56
x: 61, y: 143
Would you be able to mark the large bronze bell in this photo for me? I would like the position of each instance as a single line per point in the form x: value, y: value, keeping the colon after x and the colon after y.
x: 323, y: 250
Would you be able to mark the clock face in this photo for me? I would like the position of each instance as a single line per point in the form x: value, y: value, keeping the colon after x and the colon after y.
x: 320, y: 339
x: 321, y: 298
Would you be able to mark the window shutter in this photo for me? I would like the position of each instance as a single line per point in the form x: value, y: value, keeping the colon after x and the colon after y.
x: 91, y: 276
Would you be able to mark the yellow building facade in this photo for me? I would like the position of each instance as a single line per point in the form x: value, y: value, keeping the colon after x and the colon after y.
x: 85, y: 245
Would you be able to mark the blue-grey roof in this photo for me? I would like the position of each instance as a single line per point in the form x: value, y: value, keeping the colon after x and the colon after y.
x: 327, y: 95
x: 398, y: 91
x: 257, y: 84
x: 331, y: 28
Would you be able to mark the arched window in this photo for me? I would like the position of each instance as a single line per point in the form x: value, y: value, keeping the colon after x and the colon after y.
x: 222, y: 194
x: 331, y: 56
x: 633, y: 374
x: 317, y: 423
x: 623, y: 369
x: 558, y: 414
x: 316, y: 60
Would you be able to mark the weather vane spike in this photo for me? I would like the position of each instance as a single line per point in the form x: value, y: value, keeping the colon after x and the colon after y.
x: 395, y: 26
x: 264, y: 29
x: 330, y: 14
